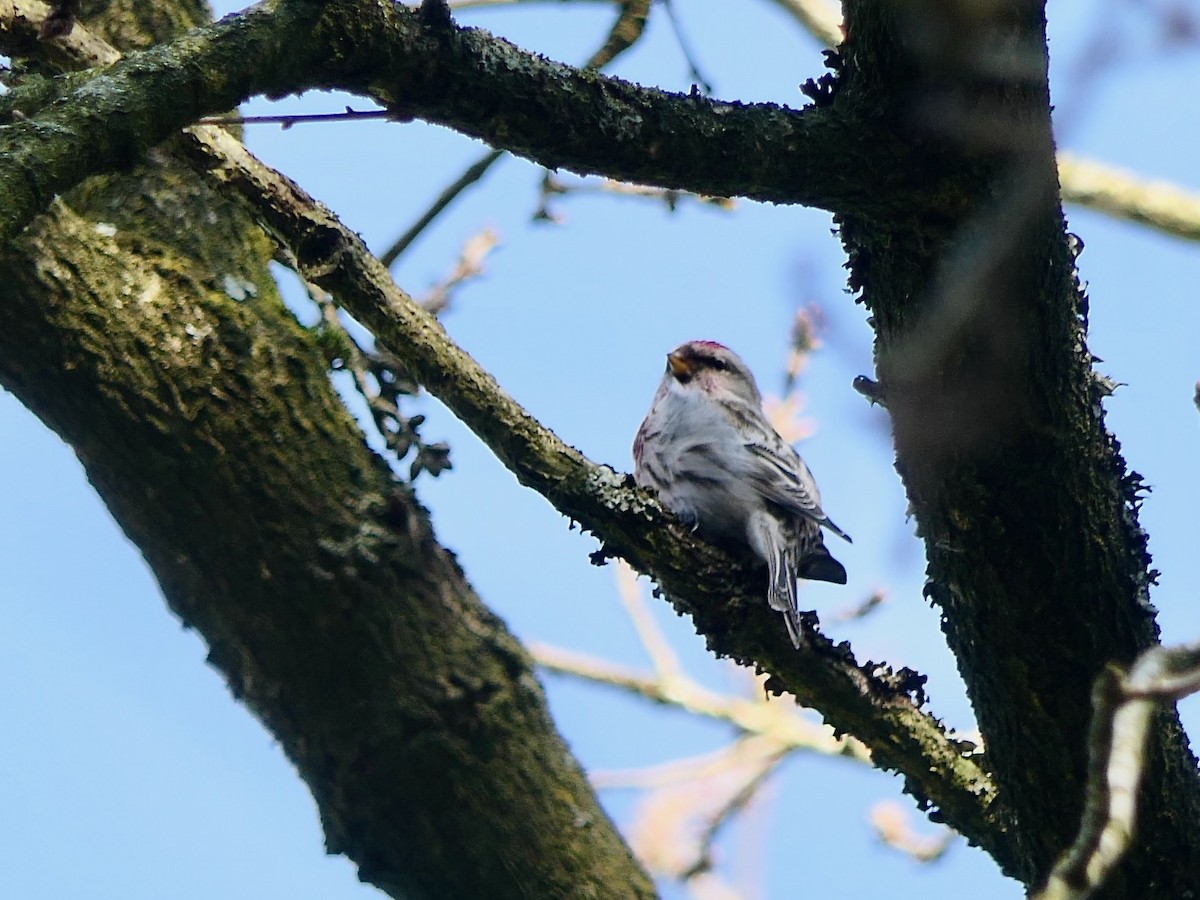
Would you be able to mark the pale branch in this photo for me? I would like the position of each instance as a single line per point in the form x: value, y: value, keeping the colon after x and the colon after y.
x: 678, y: 772
x: 733, y: 804
x: 1123, y: 706
x: 553, y: 186
x: 721, y: 594
x: 1166, y: 207
x: 21, y: 26
x: 466, y: 79
x: 894, y: 829
x: 687, y: 802
x: 469, y: 266
x: 654, y: 642
x: 779, y: 722
x: 1161, y: 205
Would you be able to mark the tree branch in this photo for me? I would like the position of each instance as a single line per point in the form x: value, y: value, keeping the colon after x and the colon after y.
x: 1126, y: 195
x: 1029, y: 517
x: 868, y: 701
x: 722, y: 595
x: 463, y: 78
x: 1161, y: 205
x: 206, y: 421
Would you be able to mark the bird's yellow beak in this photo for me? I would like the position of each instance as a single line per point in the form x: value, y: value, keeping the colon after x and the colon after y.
x: 678, y: 365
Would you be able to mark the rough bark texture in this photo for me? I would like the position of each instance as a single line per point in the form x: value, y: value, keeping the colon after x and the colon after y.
x: 879, y: 706
x: 936, y: 153
x: 209, y: 427
x: 464, y: 79
x: 1027, y: 512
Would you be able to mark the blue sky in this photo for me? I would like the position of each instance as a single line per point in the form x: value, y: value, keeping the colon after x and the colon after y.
x: 129, y: 772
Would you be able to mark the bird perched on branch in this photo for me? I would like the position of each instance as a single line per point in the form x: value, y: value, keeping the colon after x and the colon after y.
x: 719, y: 466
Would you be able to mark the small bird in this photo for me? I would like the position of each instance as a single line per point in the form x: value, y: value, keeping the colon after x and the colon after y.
x: 715, y: 461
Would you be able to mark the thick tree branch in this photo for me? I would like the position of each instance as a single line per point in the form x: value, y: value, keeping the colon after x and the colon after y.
x: 1161, y: 205
x: 1035, y: 556
x: 721, y: 595
x: 463, y: 78
x: 208, y: 425
x: 854, y: 698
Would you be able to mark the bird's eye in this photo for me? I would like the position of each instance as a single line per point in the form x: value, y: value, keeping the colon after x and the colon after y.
x: 720, y: 365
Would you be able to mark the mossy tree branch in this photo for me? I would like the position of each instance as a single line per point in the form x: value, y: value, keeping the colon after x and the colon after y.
x: 209, y: 427
x: 866, y: 700
x: 462, y: 78
x: 722, y: 596
x: 942, y: 174
x: 1028, y: 513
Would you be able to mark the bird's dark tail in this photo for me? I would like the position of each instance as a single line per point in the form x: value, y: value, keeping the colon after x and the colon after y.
x: 818, y: 565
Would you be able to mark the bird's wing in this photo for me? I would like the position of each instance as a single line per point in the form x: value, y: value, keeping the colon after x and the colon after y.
x: 781, y: 477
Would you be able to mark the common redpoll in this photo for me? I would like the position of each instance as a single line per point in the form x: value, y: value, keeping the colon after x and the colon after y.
x: 716, y: 462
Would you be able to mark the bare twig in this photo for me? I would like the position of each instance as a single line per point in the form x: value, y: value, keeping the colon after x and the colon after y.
x: 666, y: 663
x: 734, y: 803
x: 380, y: 381
x: 894, y: 828
x: 469, y: 266
x: 1123, y: 704
x: 688, y: 802
x: 290, y: 119
x: 698, y: 80
x: 876, y: 599
x: 747, y: 749
x: 473, y: 173
x: 768, y: 718
x: 630, y: 24
x: 554, y: 185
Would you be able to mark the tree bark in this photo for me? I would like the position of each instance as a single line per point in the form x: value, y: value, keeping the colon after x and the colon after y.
x: 940, y: 169
x: 1027, y: 510
x: 139, y: 321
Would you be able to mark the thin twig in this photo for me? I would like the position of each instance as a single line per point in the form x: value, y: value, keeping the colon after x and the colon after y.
x: 666, y: 663
x: 473, y: 173
x: 894, y: 829
x: 781, y: 722
x: 469, y: 266
x: 735, y: 803
x: 626, y: 30
x: 702, y: 767
x: 685, y: 48
x: 290, y: 119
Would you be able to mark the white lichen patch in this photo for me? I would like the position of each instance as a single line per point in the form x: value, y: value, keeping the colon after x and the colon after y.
x: 198, y: 332
x: 238, y: 288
